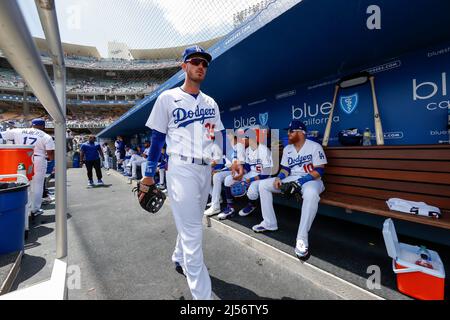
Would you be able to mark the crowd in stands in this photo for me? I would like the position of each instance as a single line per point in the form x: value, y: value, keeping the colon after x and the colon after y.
x: 13, y: 116
x: 9, y: 79
x: 110, y: 86
x: 73, y: 61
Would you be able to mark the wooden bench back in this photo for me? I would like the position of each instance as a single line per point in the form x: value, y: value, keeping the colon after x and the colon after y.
x: 416, y: 173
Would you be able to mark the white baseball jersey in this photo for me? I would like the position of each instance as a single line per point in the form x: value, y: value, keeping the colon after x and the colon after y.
x: 239, y: 152
x: 186, y: 121
x: 304, y: 161
x: 213, y: 152
x: 146, y: 151
x: 32, y: 137
x: 260, y: 159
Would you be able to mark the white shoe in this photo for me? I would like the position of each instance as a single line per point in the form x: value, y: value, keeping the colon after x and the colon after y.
x: 212, y: 211
x: 259, y: 228
x: 227, y: 212
x: 48, y: 199
x: 301, y: 250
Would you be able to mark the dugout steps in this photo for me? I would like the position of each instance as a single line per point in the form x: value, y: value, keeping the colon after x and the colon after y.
x: 323, y: 279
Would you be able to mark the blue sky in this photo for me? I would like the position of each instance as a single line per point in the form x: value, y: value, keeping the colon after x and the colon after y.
x: 141, y: 24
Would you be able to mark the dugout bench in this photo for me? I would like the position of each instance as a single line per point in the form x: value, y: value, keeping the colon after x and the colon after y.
x: 363, y: 178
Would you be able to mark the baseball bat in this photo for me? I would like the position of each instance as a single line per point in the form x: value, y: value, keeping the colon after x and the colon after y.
x: 378, y: 128
x: 326, y: 135
x: 448, y: 124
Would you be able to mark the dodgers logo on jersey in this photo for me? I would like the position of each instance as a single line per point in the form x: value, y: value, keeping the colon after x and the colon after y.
x: 263, y: 118
x: 187, y: 117
x: 299, y: 160
x: 349, y: 103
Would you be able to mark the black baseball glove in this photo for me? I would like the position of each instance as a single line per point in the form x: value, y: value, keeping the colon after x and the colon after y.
x: 150, y: 198
x: 290, y: 189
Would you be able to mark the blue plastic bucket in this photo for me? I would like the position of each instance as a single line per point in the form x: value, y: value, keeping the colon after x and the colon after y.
x: 13, y: 203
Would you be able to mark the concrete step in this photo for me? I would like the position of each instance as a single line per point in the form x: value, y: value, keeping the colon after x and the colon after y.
x: 9, y: 268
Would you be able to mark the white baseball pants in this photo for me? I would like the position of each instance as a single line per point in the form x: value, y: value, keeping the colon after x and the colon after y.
x: 188, y: 187
x: 134, y: 164
x: 37, y: 183
x: 310, y: 194
x: 218, y: 179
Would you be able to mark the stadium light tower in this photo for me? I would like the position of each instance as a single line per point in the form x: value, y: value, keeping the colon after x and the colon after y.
x: 18, y: 47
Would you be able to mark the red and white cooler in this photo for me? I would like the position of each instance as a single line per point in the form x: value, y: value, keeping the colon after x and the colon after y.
x: 414, y: 280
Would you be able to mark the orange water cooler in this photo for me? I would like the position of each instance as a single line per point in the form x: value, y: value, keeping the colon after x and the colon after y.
x: 10, y: 157
x: 13, y: 154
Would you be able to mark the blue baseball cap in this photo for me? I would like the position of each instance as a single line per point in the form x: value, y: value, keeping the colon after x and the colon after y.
x: 189, y: 51
x: 296, y: 125
x: 38, y: 122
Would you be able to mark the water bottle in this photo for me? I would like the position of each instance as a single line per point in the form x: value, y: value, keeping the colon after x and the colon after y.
x: 23, y: 171
x: 366, y: 137
x: 424, y: 258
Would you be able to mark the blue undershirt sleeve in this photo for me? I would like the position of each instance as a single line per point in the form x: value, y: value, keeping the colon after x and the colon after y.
x: 158, y: 139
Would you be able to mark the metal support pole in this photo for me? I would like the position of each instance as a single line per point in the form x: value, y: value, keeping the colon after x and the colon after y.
x: 49, y: 22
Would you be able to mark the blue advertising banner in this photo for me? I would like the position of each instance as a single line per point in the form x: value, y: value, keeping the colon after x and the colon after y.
x: 412, y: 93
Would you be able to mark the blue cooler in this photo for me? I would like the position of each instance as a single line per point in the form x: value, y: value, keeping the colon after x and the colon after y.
x: 13, y: 201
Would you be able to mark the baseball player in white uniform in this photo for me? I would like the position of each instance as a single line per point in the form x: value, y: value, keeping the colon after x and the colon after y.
x: 145, y: 154
x: 237, y: 148
x: 184, y: 118
x: 302, y: 161
x: 258, y: 166
x: 44, y: 146
x: 106, y: 154
x: 137, y: 160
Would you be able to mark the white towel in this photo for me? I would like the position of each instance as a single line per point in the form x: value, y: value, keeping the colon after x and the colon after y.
x: 412, y: 207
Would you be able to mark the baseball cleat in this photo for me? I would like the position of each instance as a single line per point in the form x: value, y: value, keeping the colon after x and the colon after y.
x: 36, y: 213
x: 47, y: 200
x: 179, y: 268
x: 212, y: 211
x: 247, y: 210
x: 301, y: 250
x: 228, y: 212
x: 260, y: 228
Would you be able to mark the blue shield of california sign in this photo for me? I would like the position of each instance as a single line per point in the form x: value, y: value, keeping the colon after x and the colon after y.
x: 263, y: 118
x: 349, y: 103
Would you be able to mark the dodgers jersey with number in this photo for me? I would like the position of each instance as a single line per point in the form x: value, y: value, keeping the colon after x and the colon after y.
x: 259, y: 160
x: 32, y: 137
x: 303, y: 162
x: 186, y: 121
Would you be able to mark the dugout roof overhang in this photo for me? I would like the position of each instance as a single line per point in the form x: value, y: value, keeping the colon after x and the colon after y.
x: 312, y: 40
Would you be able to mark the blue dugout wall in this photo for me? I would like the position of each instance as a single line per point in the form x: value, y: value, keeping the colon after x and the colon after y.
x: 413, y: 94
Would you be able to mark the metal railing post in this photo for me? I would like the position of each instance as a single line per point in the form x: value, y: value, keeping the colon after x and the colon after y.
x: 49, y: 22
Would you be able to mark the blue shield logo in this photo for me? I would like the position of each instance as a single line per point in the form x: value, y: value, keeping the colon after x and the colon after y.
x: 263, y: 118
x: 349, y: 103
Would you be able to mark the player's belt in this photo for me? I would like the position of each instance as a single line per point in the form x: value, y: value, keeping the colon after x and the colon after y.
x: 191, y: 160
